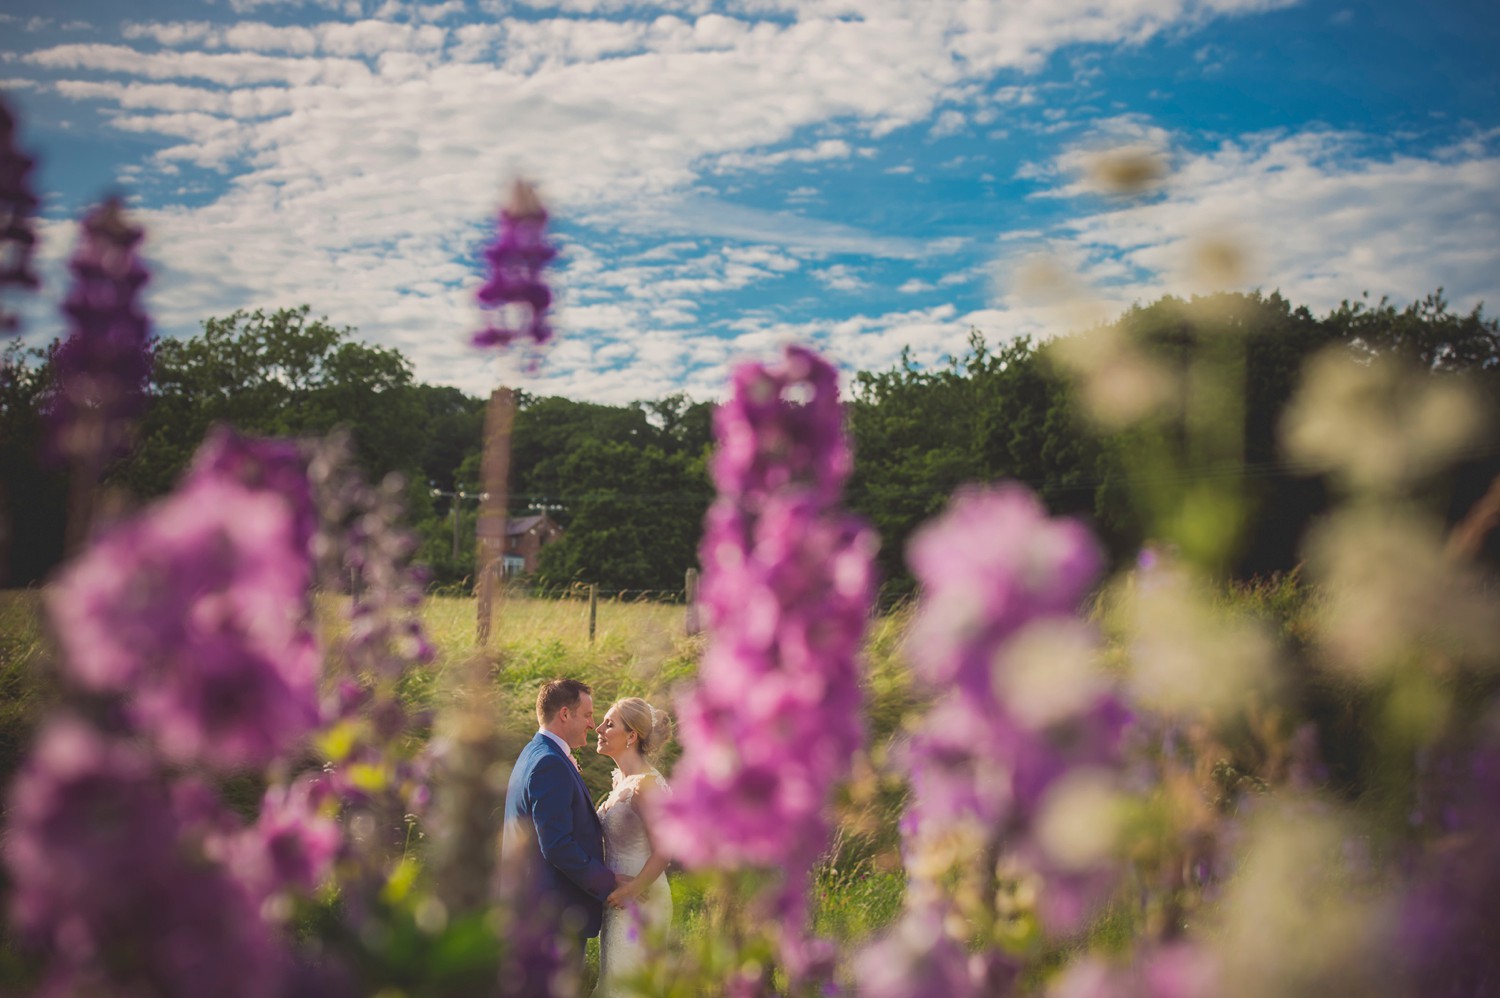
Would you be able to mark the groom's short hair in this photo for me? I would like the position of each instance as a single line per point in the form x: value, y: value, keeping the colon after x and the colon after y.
x: 557, y: 694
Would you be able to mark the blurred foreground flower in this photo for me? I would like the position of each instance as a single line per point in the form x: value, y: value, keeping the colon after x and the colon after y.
x: 1126, y: 170
x: 1013, y: 770
x: 196, y: 613
x: 1188, y: 657
x: 1174, y: 970
x: 918, y: 956
x: 1378, y: 423
x: 17, y: 206
x: 1118, y: 382
x: 104, y: 366
x: 1306, y: 913
x: 113, y: 885
x: 1393, y: 597
x: 788, y: 579
x: 1449, y: 916
x: 515, y: 295
x: 291, y: 846
x: 186, y: 638
x: 377, y: 773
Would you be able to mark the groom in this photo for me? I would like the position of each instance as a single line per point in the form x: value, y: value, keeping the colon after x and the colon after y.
x: 551, y: 830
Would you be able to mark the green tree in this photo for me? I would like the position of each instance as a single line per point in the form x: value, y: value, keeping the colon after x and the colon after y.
x: 547, y: 433
x: 635, y: 517
x: 452, y: 429
x: 1425, y: 330
x: 681, y: 425
x: 280, y: 373
x: 33, y: 491
x: 989, y: 415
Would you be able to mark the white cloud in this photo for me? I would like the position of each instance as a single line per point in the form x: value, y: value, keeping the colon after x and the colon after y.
x: 1308, y: 214
x: 950, y: 122
x: 704, y: 216
x: 171, y: 33
x: 431, y: 13
x: 230, y: 69
x: 824, y: 150
x: 369, y: 152
x: 840, y: 277
x: 255, y: 37
x: 348, y: 8
x: 609, y: 6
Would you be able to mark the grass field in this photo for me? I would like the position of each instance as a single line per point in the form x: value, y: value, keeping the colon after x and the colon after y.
x: 638, y: 649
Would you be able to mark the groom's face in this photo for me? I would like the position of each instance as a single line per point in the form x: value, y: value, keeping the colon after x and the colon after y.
x: 577, y: 721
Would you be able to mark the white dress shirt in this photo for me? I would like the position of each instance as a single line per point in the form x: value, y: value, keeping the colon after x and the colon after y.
x: 564, y: 746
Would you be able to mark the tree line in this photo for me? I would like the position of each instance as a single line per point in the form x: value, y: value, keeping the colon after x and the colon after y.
x: 630, y: 485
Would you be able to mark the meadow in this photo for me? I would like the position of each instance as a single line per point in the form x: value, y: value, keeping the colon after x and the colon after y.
x: 639, y: 648
x: 1071, y: 765
x: 642, y: 648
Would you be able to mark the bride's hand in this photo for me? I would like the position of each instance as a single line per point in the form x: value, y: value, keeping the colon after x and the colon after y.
x: 621, y: 895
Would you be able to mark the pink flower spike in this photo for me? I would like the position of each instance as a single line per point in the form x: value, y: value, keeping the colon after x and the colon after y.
x: 17, y: 219
x: 516, y: 297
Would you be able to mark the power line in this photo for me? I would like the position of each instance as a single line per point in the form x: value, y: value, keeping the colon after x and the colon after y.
x: 1249, y: 471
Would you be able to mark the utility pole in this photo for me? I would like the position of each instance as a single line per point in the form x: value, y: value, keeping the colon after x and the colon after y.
x: 457, y: 497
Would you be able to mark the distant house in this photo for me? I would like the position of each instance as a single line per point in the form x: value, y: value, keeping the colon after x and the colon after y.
x: 525, y: 536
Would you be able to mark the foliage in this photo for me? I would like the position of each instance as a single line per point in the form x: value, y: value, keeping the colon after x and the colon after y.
x: 277, y: 374
x: 633, y: 518
x: 33, y: 489
x: 1017, y: 411
x: 1004, y: 411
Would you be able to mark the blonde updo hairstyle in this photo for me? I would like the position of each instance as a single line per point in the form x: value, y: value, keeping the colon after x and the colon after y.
x: 652, y: 728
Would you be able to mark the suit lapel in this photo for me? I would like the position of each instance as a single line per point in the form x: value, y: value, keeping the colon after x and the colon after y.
x: 568, y: 758
x: 551, y: 746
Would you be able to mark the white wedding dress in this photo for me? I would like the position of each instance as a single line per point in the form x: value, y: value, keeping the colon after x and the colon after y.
x: 622, y: 940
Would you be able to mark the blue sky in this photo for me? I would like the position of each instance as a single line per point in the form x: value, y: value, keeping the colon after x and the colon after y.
x: 860, y: 175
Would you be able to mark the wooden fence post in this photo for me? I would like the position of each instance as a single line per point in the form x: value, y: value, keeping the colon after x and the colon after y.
x: 489, y: 532
x: 593, y: 608
x: 690, y: 589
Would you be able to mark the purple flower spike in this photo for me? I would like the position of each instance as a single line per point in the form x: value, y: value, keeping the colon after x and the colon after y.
x: 515, y: 296
x: 787, y: 585
x: 782, y: 429
x: 271, y: 465
x: 292, y: 846
x: 17, y: 206
x: 104, y: 366
x: 992, y: 563
x: 1446, y: 929
x: 112, y: 886
x: 196, y: 613
x: 1025, y: 732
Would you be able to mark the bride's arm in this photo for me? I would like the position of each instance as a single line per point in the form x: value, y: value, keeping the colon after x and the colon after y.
x: 655, y: 863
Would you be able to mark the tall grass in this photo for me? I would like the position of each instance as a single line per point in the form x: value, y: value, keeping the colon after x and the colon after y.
x: 25, y: 692
x: 639, y: 648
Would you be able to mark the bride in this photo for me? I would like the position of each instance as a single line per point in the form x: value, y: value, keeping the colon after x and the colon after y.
x: 632, y: 731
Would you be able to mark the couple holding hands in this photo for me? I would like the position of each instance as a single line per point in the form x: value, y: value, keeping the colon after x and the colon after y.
x: 596, y: 869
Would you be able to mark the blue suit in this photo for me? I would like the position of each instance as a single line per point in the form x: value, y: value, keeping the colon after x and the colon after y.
x: 553, y: 835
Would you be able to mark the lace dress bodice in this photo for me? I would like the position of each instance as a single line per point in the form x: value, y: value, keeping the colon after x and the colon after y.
x: 626, y: 847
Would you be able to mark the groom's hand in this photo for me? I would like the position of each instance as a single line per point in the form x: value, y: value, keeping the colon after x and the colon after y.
x: 622, y: 879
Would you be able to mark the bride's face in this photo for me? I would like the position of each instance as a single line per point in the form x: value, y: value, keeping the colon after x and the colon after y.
x: 613, y: 736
